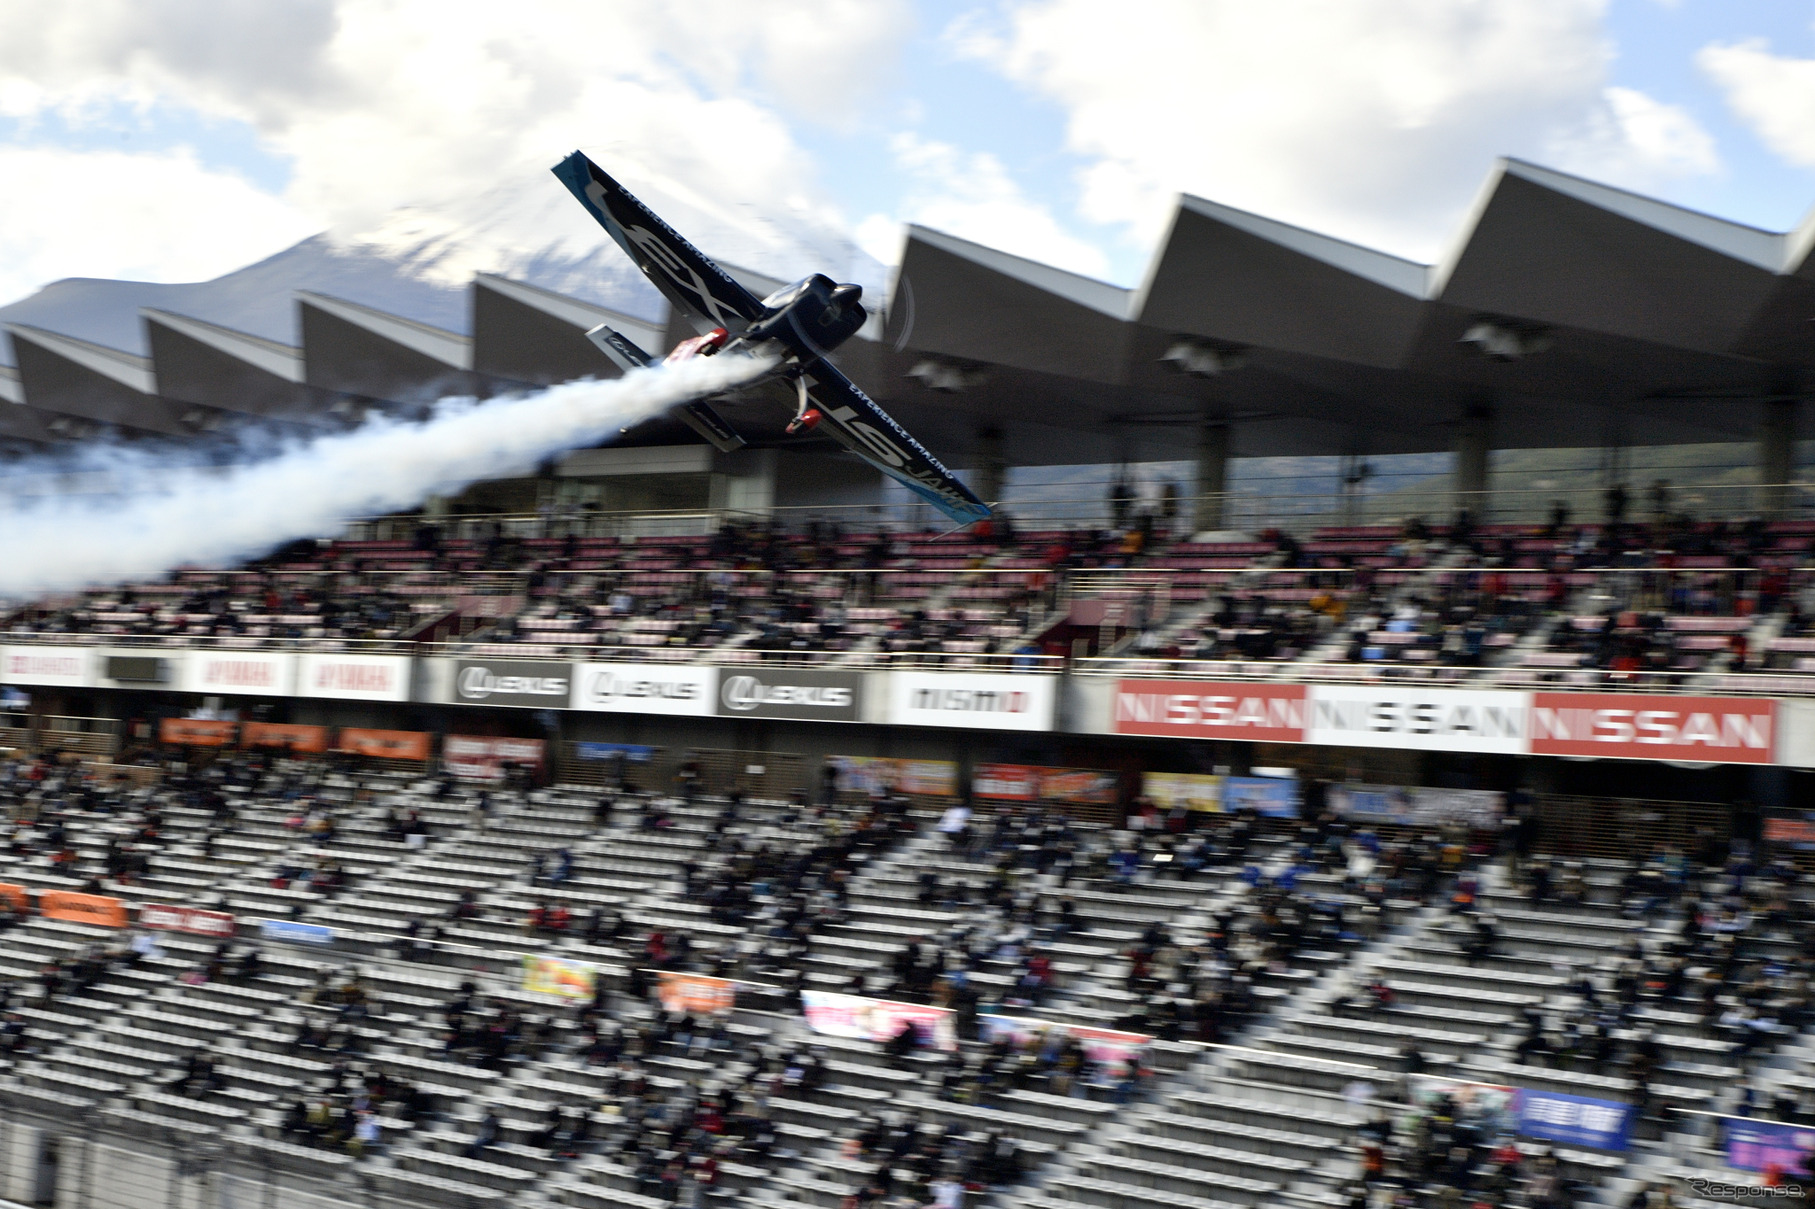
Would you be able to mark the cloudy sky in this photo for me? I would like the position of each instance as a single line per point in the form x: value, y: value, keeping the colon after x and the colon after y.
x: 173, y: 140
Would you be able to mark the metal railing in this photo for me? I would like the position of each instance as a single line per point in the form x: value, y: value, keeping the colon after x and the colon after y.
x: 1765, y: 683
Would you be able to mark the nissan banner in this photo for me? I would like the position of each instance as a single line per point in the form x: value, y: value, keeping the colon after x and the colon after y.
x: 790, y: 693
x: 512, y: 682
x: 645, y: 688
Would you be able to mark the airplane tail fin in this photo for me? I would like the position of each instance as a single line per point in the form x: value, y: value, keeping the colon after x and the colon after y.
x: 698, y: 416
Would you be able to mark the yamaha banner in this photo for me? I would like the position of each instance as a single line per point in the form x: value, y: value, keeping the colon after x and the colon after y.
x: 812, y: 696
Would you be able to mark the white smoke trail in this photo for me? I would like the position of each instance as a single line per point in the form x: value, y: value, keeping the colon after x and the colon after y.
x: 165, y: 516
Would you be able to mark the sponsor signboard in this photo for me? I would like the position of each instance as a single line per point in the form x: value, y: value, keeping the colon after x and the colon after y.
x: 483, y: 757
x: 1794, y: 831
x: 1575, y: 1120
x: 790, y: 693
x: 696, y: 993
x: 284, y: 736
x: 838, y: 1015
x: 384, y: 744
x: 197, y: 732
x: 349, y: 677
x: 645, y: 688
x: 973, y: 701
x: 1494, y: 1107
x: 1758, y: 1145
x: 916, y: 778
x: 82, y: 908
x: 1029, y: 783
x: 70, y: 667
x: 1417, y: 807
x: 512, y: 682
x: 1006, y: 782
x: 1200, y: 709
x: 1275, y: 797
x: 1421, y: 719
x: 17, y: 895
x: 633, y: 753
x: 237, y: 673
x: 1192, y: 790
x: 163, y: 917
x: 288, y: 931
x: 1116, y: 1051
x: 571, y: 980
x: 1730, y: 730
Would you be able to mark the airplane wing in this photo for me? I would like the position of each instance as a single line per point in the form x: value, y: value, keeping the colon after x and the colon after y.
x: 697, y: 415
x: 852, y: 418
x: 699, y: 289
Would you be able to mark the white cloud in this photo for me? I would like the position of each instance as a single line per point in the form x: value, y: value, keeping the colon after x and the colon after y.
x: 1375, y: 120
x: 114, y: 214
x: 1772, y: 94
x: 458, y: 108
x: 972, y: 196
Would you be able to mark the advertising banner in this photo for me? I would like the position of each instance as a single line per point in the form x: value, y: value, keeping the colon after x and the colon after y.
x: 916, y: 778
x: 634, y: 753
x: 1575, y: 1120
x: 17, y: 895
x: 791, y: 693
x: 197, y: 732
x: 1419, y: 719
x: 1757, y: 1145
x: 556, y: 976
x: 1080, y: 786
x: 645, y: 688
x: 384, y: 744
x: 1205, y: 709
x: 696, y: 993
x: 973, y: 701
x: 237, y: 673
x: 1274, y: 797
x: 1115, y: 1051
x: 1006, y: 782
x: 163, y: 917
x: 513, y: 682
x: 1192, y: 790
x: 65, y: 666
x: 483, y: 757
x: 1494, y: 1107
x: 854, y: 1016
x: 1791, y: 831
x: 351, y: 677
x: 1730, y: 730
x: 1417, y: 807
x: 82, y: 908
x: 288, y: 931
x: 313, y: 739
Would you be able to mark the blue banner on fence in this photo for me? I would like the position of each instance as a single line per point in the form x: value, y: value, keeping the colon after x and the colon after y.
x: 294, y: 933
x: 1757, y: 1145
x: 633, y: 752
x: 1276, y: 797
x: 1575, y: 1120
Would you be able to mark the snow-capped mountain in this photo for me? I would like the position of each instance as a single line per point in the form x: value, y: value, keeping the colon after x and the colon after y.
x: 418, y: 260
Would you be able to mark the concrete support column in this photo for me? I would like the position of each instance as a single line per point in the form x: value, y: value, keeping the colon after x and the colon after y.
x: 1474, y: 445
x: 1776, y: 456
x: 992, y: 464
x: 1212, y: 474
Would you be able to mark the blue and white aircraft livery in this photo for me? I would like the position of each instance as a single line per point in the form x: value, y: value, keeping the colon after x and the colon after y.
x: 797, y: 326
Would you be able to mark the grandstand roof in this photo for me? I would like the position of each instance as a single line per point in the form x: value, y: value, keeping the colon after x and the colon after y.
x: 1638, y: 321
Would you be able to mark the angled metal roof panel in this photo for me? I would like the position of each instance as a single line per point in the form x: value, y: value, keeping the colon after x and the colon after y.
x: 1099, y: 296
x: 450, y: 348
x: 10, y: 390
x: 582, y: 315
x: 280, y: 360
x: 128, y: 369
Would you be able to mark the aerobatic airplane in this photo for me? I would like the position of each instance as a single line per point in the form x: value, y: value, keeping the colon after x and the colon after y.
x: 798, y: 325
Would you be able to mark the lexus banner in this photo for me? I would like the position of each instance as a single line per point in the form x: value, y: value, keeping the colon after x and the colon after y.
x: 645, y: 688
x: 790, y: 693
x: 512, y: 682
x: 1637, y: 726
